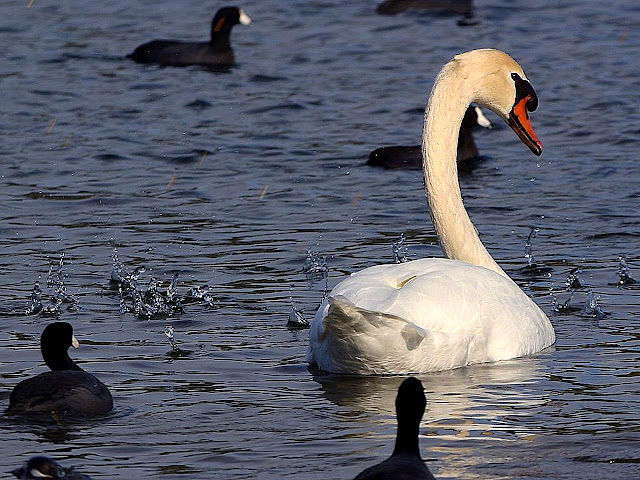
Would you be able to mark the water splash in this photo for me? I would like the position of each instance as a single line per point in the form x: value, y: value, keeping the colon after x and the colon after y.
x: 145, y: 303
x: 51, y: 305
x: 572, y: 284
x: 200, y: 295
x: 35, y: 304
x: 52, y: 308
x: 55, y: 281
x: 172, y: 290
x: 151, y: 302
x: 297, y: 319
x: 528, y: 246
x: 624, y: 273
x: 325, y: 290
x: 532, y: 268
x: 168, y: 331
x: 123, y: 304
x: 399, y: 250
x: 315, y: 266
x: 123, y: 279
x: 591, y: 308
x: 564, y: 307
x: 176, y: 352
x: 117, y: 270
x: 573, y: 279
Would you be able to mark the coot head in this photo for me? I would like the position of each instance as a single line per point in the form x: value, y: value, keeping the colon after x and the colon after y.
x: 227, y: 17
x: 410, y: 402
x: 56, y: 339
x: 39, y: 467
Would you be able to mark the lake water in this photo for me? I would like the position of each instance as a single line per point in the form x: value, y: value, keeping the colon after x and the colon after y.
x: 228, y: 179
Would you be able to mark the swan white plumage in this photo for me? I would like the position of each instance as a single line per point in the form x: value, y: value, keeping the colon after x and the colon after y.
x: 438, y: 314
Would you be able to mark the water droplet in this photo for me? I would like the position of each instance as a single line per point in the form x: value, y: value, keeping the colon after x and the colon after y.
x: 315, y: 266
x: 573, y: 279
x: 624, y: 273
x: 562, y: 307
x: 168, y: 331
x: 297, y: 319
x: 591, y: 308
x: 528, y: 250
x: 399, y: 250
x: 35, y: 304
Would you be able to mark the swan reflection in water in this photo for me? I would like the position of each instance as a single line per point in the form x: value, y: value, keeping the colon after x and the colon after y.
x: 483, y: 392
x: 481, y: 403
x: 468, y: 410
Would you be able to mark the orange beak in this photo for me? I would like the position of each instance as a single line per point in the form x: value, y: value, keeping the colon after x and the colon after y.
x: 520, y: 123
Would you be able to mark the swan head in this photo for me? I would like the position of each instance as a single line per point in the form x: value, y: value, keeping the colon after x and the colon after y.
x: 497, y: 82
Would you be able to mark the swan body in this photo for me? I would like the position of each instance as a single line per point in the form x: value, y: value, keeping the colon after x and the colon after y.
x: 422, y: 316
x: 439, y: 314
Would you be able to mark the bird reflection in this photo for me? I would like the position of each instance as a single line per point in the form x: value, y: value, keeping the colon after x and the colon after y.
x: 478, y: 397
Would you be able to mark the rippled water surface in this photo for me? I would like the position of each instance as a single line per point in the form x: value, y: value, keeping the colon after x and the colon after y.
x: 229, y: 179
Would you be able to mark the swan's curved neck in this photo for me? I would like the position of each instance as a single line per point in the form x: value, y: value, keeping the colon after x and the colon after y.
x: 458, y: 237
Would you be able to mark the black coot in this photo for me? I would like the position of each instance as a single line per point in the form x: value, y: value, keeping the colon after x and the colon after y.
x: 66, y: 389
x: 215, y: 52
x: 405, y: 463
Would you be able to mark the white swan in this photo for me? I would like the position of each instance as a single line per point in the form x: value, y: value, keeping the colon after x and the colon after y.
x: 437, y: 314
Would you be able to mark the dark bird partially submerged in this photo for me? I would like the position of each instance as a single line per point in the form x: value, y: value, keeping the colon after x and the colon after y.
x: 44, y: 467
x: 411, y: 156
x: 66, y: 389
x: 216, y: 52
x: 459, y: 7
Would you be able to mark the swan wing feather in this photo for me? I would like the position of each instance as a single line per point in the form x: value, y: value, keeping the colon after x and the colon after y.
x: 425, y: 315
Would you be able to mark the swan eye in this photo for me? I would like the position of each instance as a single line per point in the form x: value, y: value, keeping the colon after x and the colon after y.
x: 524, y: 89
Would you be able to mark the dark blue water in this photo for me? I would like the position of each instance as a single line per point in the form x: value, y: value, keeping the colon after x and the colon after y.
x: 228, y: 180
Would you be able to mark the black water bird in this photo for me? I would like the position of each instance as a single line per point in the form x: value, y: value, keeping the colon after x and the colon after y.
x: 405, y: 463
x: 215, y: 52
x: 44, y: 467
x: 411, y: 156
x: 66, y: 389
x: 460, y: 7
